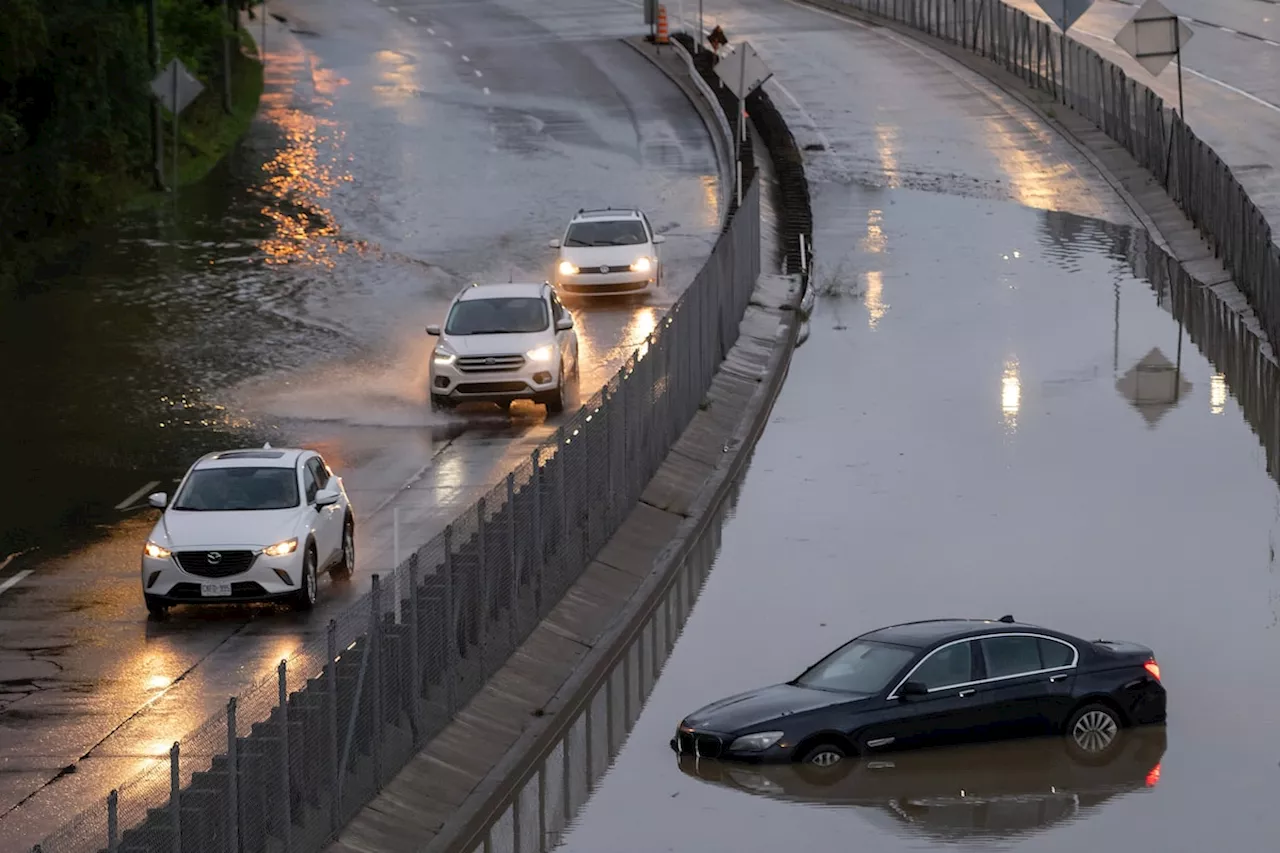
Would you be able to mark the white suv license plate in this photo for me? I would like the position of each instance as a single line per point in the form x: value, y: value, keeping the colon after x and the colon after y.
x: 215, y: 590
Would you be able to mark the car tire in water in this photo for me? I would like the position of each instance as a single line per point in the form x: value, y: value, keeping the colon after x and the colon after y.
x: 308, y: 591
x: 1093, y: 730
x: 440, y: 404
x: 347, y: 561
x: 824, y: 755
x: 156, y: 607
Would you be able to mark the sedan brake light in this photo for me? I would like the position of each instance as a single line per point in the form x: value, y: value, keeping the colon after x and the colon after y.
x: 1152, y: 667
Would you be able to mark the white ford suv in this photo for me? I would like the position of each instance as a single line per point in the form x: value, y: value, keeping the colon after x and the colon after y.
x: 249, y: 525
x: 608, y: 253
x: 505, y: 342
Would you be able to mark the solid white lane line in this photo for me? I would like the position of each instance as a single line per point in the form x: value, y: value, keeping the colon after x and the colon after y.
x: 133, y: 497
x: 13, y: 581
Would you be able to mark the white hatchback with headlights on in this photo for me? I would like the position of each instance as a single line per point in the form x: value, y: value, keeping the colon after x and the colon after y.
x: 249, y: 525
x: 505, y: 342
x: 608, y: 253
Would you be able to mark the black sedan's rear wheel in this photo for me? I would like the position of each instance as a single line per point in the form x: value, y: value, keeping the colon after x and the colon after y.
x: 1093, y: 729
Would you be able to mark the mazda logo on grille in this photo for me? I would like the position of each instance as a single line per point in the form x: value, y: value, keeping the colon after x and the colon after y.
x: 214, y: 558
x: 604, y: 269
x: 490, y: 361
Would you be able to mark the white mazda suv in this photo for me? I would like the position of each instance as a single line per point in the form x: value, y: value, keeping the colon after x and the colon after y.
x: 249, y: 525
x: 505, y: 342
x: 608, y: 253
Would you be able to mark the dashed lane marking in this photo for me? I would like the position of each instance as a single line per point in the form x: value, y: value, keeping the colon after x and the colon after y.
x: 478, y: 73
x: 127, y: 502
x: 412, y: 19
x: 14, y: 581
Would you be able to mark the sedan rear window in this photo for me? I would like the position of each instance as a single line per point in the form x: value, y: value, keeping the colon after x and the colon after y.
x: 511, y: 316
x: 619, y: 232
x: 858, y: 667
x: 238, y: 489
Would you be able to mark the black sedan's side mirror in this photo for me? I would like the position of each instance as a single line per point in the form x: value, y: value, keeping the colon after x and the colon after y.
x: 912, y: 690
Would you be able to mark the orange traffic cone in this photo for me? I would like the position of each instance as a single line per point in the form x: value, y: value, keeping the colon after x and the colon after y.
x: 662, y: 37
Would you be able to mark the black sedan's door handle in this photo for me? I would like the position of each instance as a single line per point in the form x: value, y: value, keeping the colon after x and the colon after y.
x: 1054, y: 678
x: 968, y: 692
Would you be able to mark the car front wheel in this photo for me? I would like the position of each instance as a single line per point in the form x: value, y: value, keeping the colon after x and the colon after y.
x: 347, y: 559
x: 823, y: 755
x: 156, y: 607
x: 305, y: 597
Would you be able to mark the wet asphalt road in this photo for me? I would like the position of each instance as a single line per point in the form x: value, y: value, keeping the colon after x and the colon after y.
x: 400, y: 152
x: 982, y: 421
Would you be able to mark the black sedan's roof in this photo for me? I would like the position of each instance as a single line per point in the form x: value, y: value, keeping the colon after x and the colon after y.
x: 930, y: 631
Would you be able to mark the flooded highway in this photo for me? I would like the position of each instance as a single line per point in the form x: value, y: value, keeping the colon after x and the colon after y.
x: 1004, y: 467
x: 996, y: 412
x: 396, y: 157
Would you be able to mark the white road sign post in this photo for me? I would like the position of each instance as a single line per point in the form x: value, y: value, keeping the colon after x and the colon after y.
x: 1153, y: 36
x: 742, y: 71
x: 1064, y: 13
x: 176, y: 89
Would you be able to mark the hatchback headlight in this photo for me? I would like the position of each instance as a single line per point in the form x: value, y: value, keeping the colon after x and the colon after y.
x: 755, y: 742
x: 641, y: 265
x: 156, y: 552
x: 442, y: 355
x: 281, y: 549
x: 567, y: 268
x: 540, y: 354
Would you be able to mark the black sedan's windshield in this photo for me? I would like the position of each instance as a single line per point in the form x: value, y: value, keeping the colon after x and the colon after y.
x: 858, y: 667
x: 507, y: 316
x: 238, y: 489
x: 619, y: 232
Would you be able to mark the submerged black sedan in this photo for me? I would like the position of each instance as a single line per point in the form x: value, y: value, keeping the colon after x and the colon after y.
x: 936, y: 683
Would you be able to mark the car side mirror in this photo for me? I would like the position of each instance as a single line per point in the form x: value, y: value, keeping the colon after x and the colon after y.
x: 433, y: 330
x: 658, y: 238
x: 564, y: 324
x: 158, y: 499
x: 555, y: 244
x: 912, y: 690
x: 327, y: 497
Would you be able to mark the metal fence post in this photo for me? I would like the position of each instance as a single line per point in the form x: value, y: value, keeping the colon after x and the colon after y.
x: 282, y: 696
x: 233, y: 781
x: 486, y: 582
x: 113, y: 821
x: 175, y: 799
x: 375, y: 662
x: 605, y: 405
x: 415, y: 664
x: 331, y: 714
x: 512, y: 618
x: 452, y: 639
x: 539, y: 549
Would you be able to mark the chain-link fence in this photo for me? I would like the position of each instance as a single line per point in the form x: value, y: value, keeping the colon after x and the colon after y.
x: 1127, y: 111
x: 294, y: 758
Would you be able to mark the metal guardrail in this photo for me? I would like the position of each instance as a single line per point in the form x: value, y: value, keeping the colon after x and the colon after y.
x: 296, y: 757
x: 1127, y: 111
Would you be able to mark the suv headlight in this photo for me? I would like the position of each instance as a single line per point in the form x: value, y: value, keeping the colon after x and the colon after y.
x: 156, y: 552
x: 281, y: 549
x: 443, y: 355
x: 567, y: 268
x: 540, y: 354
x: 756, y: 742
x: 641, y: 265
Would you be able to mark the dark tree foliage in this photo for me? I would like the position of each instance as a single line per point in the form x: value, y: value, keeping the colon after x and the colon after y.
x: 75, y: 105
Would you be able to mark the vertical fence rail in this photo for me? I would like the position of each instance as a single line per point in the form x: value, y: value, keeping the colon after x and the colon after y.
x: 293, y: 758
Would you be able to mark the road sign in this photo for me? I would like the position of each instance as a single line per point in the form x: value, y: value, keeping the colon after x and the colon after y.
x: 1154, y: 36
x: 1065, y: 13
x: 742, y: 70
x: 176, y: 78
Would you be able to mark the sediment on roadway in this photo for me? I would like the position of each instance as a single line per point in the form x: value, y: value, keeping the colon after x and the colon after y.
x: 1176, y: 184
x: 483, y: 769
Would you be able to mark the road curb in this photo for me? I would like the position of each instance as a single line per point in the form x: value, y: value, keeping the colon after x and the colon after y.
x: 704, y: 103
